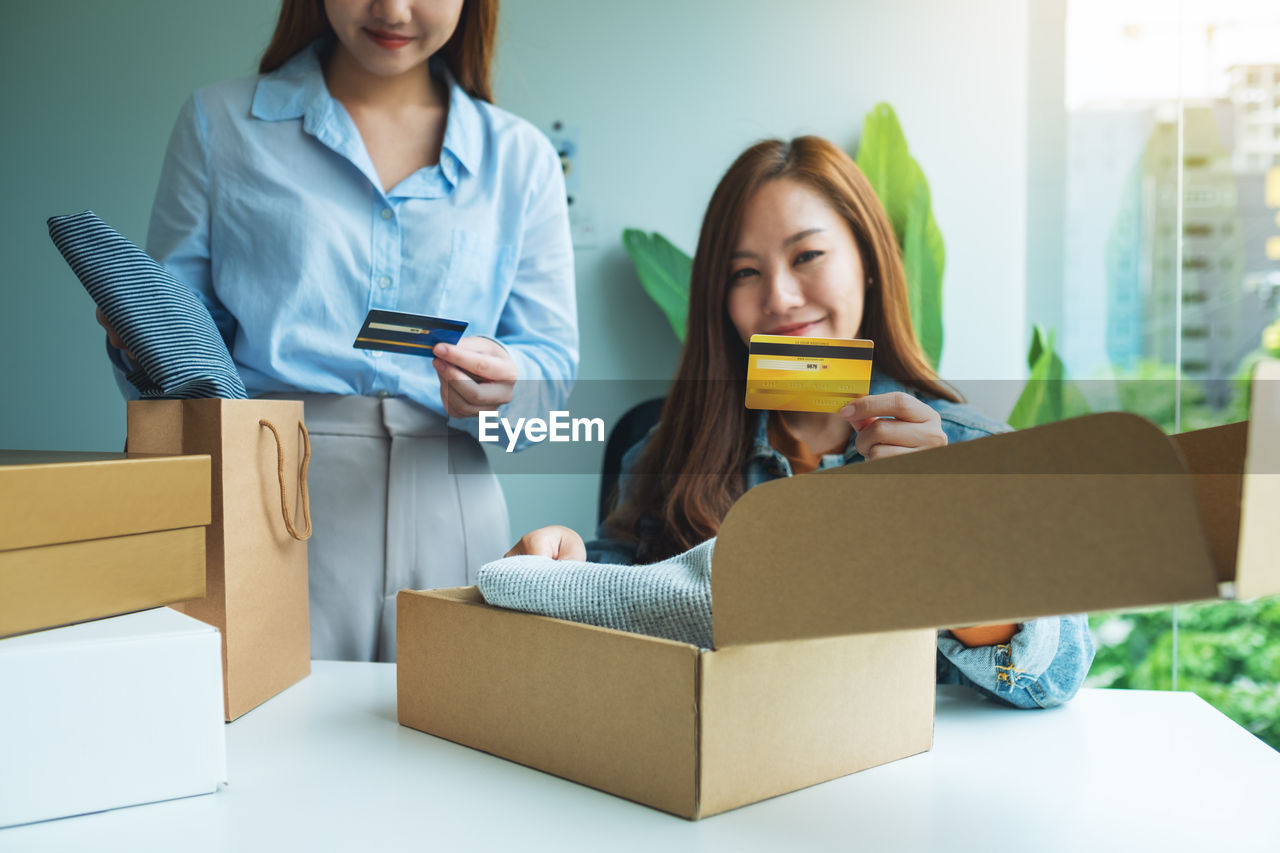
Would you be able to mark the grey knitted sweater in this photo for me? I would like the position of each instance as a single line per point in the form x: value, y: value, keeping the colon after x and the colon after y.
x: 1047, y: 658
x: 670, y: 599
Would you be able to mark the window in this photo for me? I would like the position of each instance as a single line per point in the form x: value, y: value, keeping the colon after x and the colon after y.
x: 1200, y: 198
x: 1122, y: 72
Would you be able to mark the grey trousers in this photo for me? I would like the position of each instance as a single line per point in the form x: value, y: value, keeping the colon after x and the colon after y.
x: 398, y: 501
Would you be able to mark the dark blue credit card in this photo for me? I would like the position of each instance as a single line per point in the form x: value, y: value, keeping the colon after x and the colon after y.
x: 411, y: 334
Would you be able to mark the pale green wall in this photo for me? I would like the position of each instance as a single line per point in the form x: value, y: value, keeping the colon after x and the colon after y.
x: 90, y: 90
x: 663, y: 94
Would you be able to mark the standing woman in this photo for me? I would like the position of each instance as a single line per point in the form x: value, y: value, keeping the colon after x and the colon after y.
x: 364, y: 168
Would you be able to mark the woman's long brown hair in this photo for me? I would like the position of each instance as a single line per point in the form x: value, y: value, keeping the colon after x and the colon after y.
x: 692, y: 469
x: 468, y: 53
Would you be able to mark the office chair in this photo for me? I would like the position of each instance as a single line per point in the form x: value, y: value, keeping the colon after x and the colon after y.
x: 631, y: 427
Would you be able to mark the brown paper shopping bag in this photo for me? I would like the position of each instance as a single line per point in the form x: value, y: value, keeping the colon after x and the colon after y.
x: 256, y: 556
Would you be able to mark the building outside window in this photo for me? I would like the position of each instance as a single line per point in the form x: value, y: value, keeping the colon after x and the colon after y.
x: 1172, y: 281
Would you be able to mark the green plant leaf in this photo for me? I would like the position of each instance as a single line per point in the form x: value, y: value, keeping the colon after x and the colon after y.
x: 900, y: 184
x: 1038, y: 346
x: 664, y: 272
x: 1228, y: 653
x: 1033, y: 407
x: 1048, y: 395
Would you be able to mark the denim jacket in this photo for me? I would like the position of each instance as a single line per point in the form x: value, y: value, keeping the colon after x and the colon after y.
x: 1041, y: 666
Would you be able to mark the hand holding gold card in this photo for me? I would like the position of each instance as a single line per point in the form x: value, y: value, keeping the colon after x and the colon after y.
x: 807, y: 374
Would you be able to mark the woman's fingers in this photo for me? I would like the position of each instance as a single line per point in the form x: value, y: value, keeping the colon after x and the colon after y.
x: 556, y: 542
x: 903, y: 434
x: 476, y: 375
x: 463, y: 397
x: 479, y: 395
x: 482, y: 358
x: 571, y: 546
x: 112, y: 337
x: 892, y: 424
x: 896, y: 404
x: 454, y: 404
x: 883, y: 451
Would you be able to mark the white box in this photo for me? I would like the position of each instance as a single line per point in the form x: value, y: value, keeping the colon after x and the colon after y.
x: 110, y: 713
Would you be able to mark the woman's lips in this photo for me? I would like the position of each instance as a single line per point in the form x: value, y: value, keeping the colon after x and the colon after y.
x: 794, y: 328
x: 390, y: 41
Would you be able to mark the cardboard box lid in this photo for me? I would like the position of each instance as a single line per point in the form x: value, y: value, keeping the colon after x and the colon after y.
x: 50, y: 497
x: 1094, y: 513
x: 1257, y: 570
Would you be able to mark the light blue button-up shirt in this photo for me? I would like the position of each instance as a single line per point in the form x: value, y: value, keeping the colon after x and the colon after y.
x: 270, y: 209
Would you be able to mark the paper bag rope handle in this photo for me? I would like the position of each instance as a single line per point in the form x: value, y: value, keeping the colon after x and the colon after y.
x: 302, y: 479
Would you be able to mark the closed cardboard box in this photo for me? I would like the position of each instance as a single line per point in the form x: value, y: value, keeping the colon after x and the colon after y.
x: 110, y: 713
x: 827, y: 591
x: 85, y: 535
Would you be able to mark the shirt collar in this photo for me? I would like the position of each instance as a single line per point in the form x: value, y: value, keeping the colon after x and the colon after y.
x: 464, y: 129
x: 293, y: 90
x: 297, y: 90
x: 760, y: 445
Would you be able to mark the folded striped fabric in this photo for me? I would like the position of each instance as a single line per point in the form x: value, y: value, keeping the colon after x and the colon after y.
x: 177, y: 349
x: 670, y: 599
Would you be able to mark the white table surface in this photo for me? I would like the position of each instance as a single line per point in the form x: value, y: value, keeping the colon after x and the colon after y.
x: 325, y: 766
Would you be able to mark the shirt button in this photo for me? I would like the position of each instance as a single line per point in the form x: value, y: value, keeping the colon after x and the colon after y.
x: 386, y: 213
x: 384, y: 394
x: 385, y: 281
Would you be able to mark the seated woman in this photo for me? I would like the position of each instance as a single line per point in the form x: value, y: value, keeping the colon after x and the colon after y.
x: 795, y: 242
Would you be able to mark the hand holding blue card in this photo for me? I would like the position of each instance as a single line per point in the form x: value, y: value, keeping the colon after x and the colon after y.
x: 410, y: 334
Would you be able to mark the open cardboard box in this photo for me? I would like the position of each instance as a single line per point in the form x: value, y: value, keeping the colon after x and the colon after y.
x: 827, y: 591
x: 87, y: 535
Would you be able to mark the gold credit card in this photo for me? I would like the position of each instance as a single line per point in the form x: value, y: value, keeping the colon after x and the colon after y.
x: 807, y: 374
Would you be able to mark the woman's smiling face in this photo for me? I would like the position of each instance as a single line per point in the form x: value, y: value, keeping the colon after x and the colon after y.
x: 391, y: 37
x: 795, y: 268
